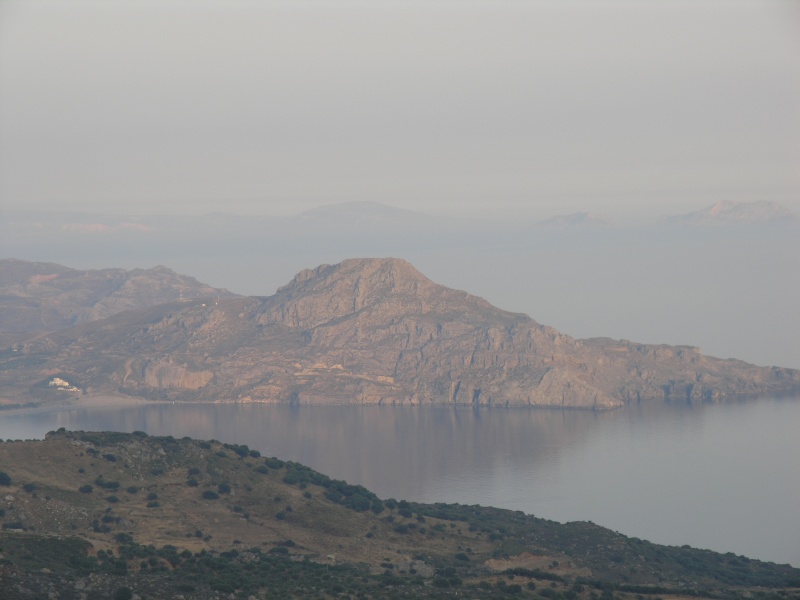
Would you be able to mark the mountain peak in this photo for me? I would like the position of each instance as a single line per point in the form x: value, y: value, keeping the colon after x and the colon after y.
x: 375, y: 277
x: 389, y: 271
x: 387, y: 285
x: 393, y: 273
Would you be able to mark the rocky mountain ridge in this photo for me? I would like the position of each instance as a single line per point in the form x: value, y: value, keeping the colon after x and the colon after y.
x: 39, y: 297
x: 369, y: 331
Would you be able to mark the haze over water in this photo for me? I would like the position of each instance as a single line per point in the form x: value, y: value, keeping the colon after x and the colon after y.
x: 723, y: 477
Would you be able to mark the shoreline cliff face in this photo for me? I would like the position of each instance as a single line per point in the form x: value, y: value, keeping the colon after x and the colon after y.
x: 374, y: 331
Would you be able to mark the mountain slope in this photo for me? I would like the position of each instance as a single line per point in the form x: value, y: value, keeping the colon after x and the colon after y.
x: 36, y: 296
x: 368, y: 331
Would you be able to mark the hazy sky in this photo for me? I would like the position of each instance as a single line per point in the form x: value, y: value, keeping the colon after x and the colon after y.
x: 265, y: 107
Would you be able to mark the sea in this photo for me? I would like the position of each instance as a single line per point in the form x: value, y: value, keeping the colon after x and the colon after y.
x: 725, y: 477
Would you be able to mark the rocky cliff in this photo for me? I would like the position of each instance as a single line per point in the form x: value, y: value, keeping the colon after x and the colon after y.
x: 371, y: 331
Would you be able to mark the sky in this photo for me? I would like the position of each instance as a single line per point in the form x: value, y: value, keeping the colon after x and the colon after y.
x: 518, y: 111
x: 190, y: 107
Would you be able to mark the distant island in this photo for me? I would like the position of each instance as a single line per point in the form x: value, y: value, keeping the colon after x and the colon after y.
x: 727, y: 212
x: 364, y: 331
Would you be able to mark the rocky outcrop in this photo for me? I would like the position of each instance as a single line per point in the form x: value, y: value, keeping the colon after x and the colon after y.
x: 376, y: 331
x: 166, y: 376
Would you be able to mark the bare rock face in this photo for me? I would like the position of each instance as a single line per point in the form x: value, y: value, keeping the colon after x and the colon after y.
x: 385, y: 333
x: 374, y: 331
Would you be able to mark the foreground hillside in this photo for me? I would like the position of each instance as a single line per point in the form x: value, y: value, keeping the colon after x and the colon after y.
x: 365, y: 331
x: 107, y: 515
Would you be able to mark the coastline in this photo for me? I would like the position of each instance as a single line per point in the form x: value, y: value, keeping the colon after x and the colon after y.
x: 73, y: 402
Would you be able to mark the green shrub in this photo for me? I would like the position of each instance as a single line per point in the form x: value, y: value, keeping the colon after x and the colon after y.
x: 240, y: 450
x: 274, y: 463
x: 123, y: 593
x: 107, y: 485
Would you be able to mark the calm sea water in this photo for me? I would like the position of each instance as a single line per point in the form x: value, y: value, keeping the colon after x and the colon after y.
x: 724, y: 477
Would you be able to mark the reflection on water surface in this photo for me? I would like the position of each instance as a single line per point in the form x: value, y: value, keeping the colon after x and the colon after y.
x: 725, y: 477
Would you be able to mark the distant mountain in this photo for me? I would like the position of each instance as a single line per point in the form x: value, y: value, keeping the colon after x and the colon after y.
x: 728, y: 211
x: 368, y: 331
x: 578, y: 219
x: 36, y: 296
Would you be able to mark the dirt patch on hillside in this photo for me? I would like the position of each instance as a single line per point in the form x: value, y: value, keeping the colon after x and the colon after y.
x: 558, y: 565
